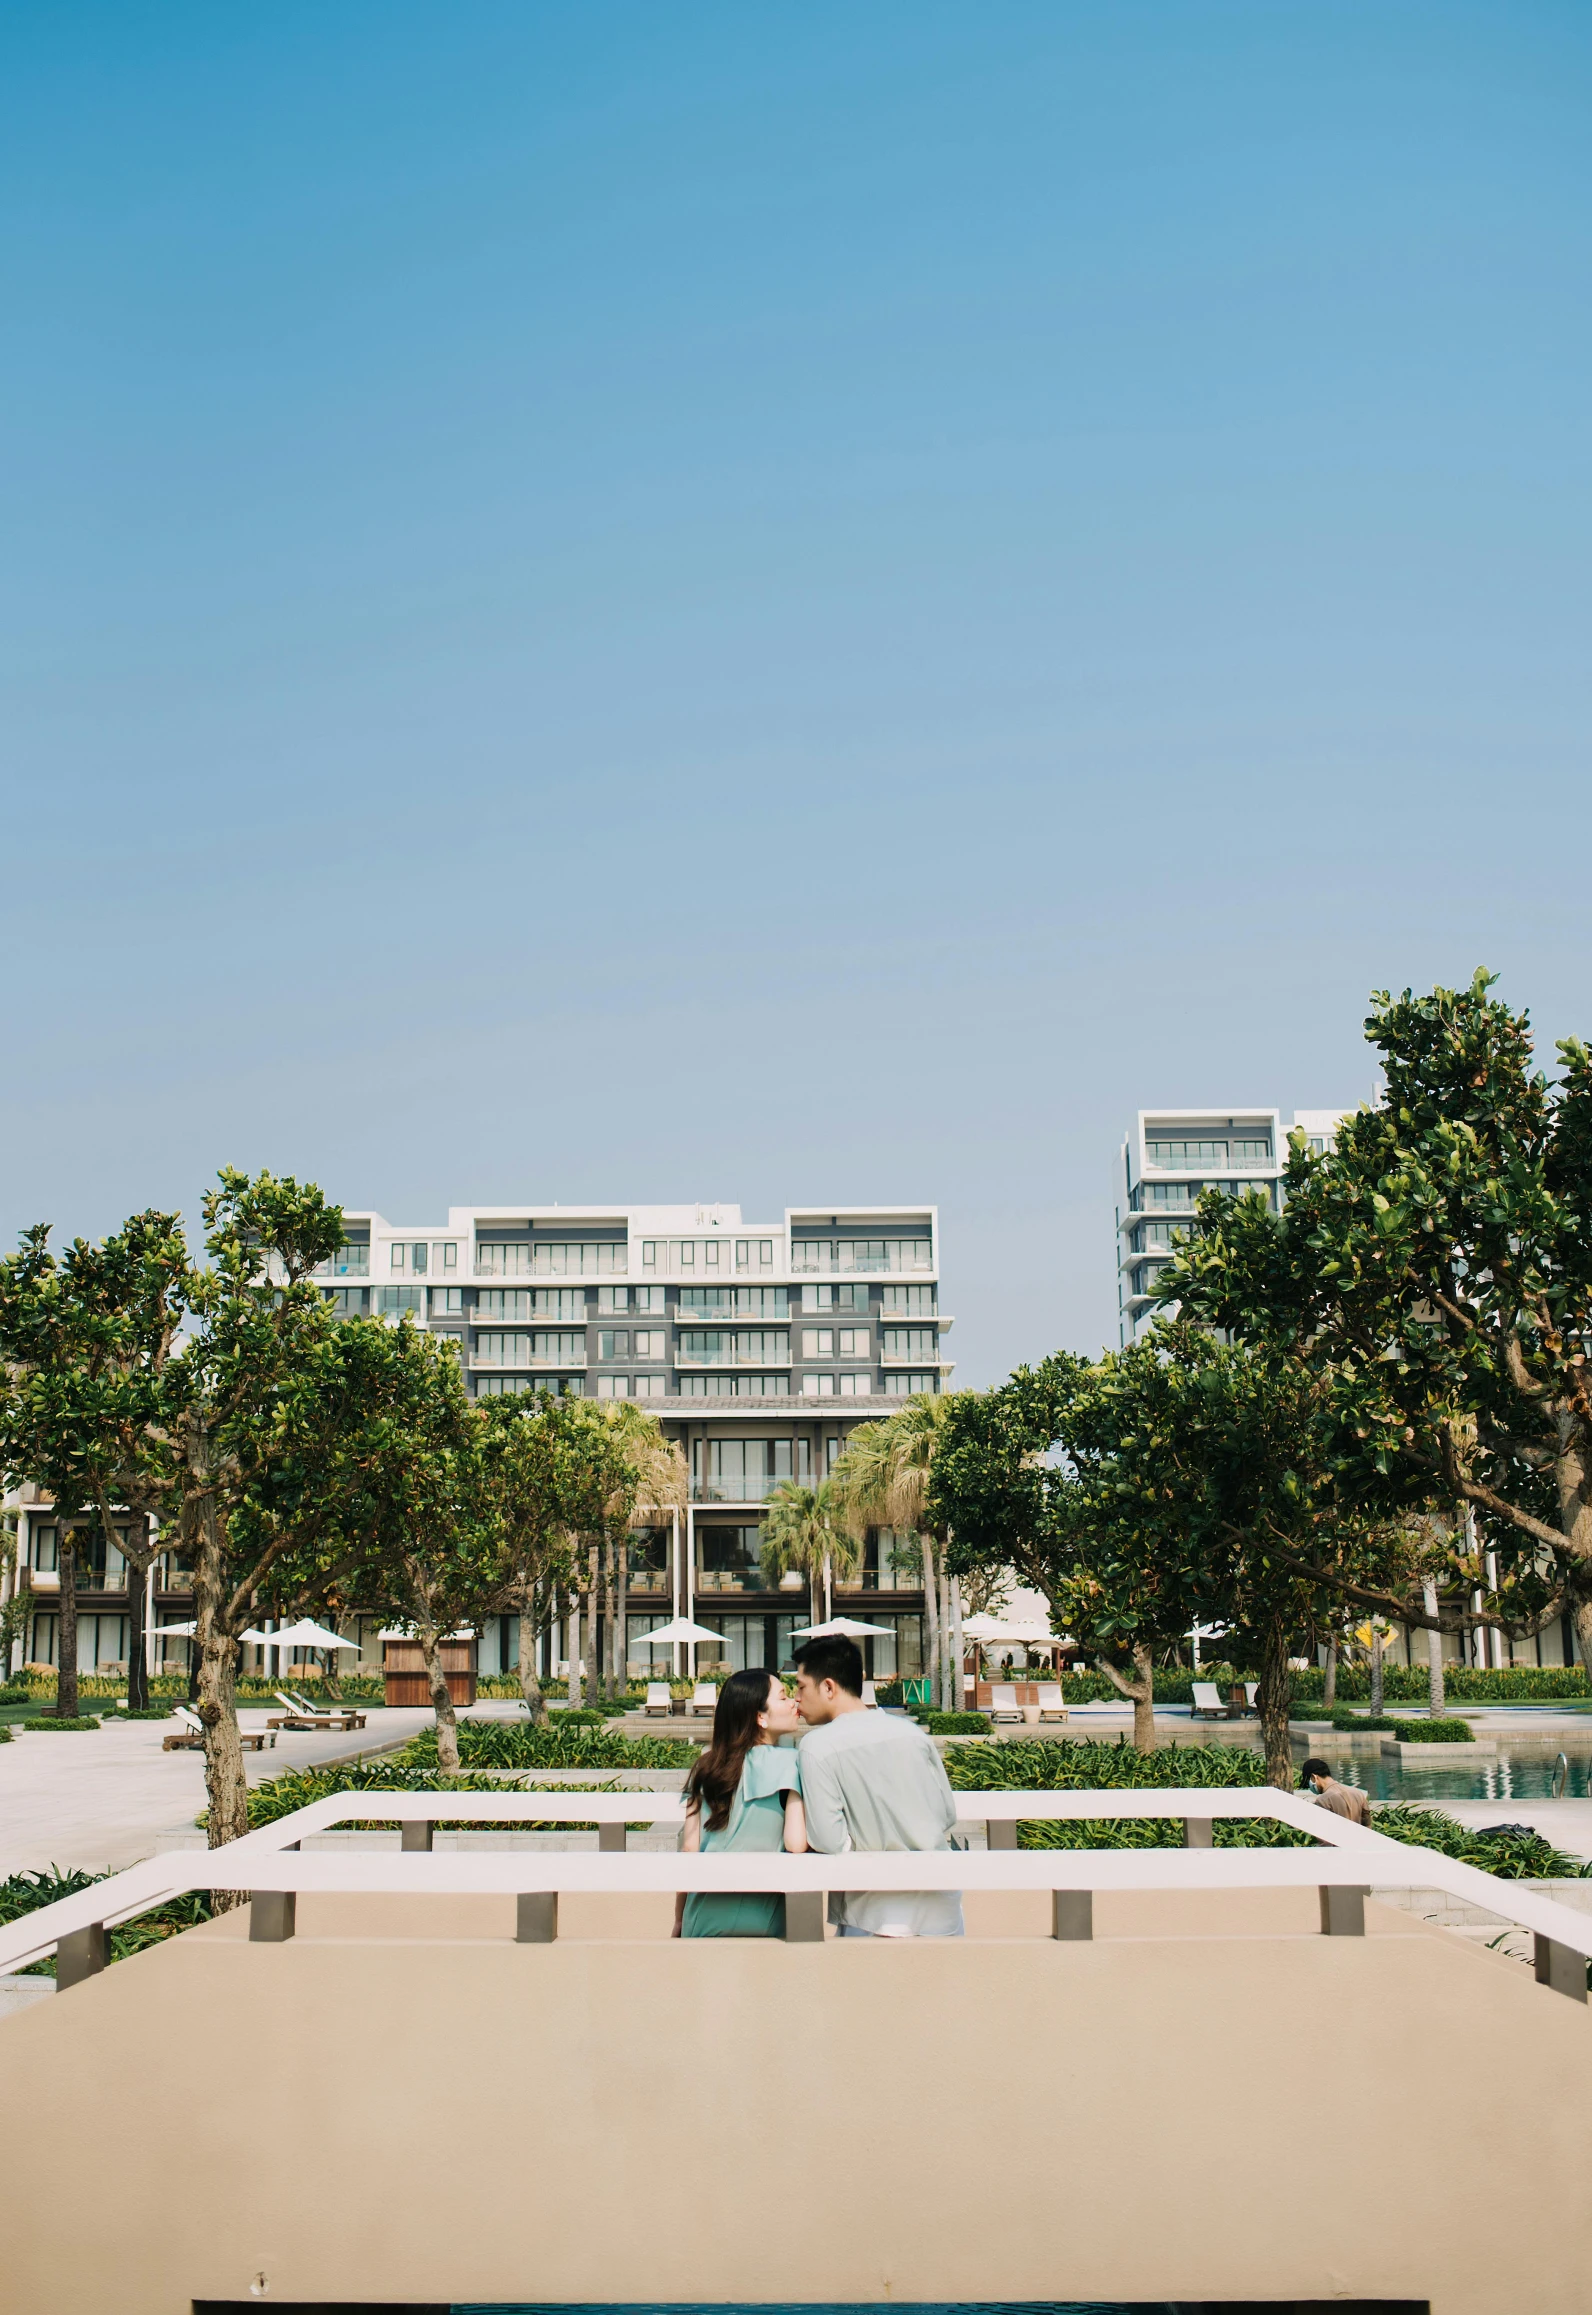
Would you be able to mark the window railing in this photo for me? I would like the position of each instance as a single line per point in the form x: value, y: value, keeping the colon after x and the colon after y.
x: 352, y: 1262
x: 272, y: 1866
x: 854, y: 1258
x: 522, y: 1260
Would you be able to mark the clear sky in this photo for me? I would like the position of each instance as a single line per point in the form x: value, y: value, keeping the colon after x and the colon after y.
x: 779, y: 604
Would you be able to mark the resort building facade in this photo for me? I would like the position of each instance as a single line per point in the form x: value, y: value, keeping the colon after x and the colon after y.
x: 758, y: 1346
x: 1164, y: 1164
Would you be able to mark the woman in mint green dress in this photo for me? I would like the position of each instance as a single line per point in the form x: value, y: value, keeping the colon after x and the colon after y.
x: 744, y: 1793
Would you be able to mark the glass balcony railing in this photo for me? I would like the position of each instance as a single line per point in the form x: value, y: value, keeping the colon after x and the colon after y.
x: 843, y: 1260
x: 352, y: 1262
x: 527, y: 1363
x: 736, y: 1489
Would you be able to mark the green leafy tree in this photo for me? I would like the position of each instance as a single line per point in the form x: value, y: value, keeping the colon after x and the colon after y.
x: 534, y: 1475
x: 416, y: 1497
x: 1433, y: 1274
x: 86, y: 1337
x: 217, y: 1402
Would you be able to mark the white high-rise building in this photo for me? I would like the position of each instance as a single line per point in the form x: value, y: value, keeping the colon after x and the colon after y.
x: 1173, y: 1155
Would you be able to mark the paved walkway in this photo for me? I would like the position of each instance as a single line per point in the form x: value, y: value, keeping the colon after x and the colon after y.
x: 99, y: 1800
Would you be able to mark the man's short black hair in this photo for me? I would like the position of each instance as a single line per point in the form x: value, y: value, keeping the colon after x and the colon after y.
x: 1314, y: 1768
x: 832, y: 1658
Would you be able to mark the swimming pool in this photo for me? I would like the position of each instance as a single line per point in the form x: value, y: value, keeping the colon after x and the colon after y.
x: 1515, y: 1772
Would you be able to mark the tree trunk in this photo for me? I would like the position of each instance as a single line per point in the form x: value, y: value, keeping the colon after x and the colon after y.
x: 1329, y: 1686
x: 66, y: 1630
x: 931, y: 1607
x: 226, y: 1787
x: 1140, y: 1691
x: 1272, y: 1697
x: 442, y: 1701
x: 572, y: 1642
x: 137, y: 1665
x: 622, y: 1621
x: 1436, y: 1702
x: 958, y: 1645
x: 1583, y: 1631
x: 1376, y: 1667
x: 530, y: 1686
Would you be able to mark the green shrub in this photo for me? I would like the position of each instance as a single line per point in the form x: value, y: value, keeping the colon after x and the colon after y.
x: 281, y: 1795
x: 144, y: 1712
x: 519, y: 1744
x: 52, y: 1720
x: 5, y: 1732
x: 25, y: 1893
x: 1158, y: 1833
x: 1513, y: 1852
x: 1434, y: 1731
x: 1465, y: 1683
x: 1376, y: 1722
x: 1048, y: 1766
x: 953, y: 1723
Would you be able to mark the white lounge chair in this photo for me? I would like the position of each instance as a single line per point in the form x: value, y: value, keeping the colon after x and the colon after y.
x: 869, y: 1698
x: 1251, y: 1691
x: 1003, y: 1704
x: 657, y: 1696
x: 1051, y: 1704
x: 189, y: 1736
x: 1207, y: 1703
x: 304, y: 1719
x: 705, y: 1697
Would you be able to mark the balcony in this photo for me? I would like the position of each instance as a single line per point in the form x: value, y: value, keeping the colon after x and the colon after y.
x: 352, y: 1262
x: 527, y: 1364
x: 739, y: 1490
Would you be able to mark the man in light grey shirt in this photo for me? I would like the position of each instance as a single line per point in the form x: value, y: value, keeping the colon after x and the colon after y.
x: 871, y: 1780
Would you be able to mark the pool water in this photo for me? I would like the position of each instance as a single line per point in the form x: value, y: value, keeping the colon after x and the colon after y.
x: 1512, y: 1773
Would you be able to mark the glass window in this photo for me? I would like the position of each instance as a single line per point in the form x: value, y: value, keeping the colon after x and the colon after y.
x: 1251, y: 1153
x: 710, y: 1253
x: 908, y: 1301
x: 647, y: 1386
x: 915, y: 1386
x: 518, y: 1258
x: 398, y: 1256
x: 704, y: 1344
x: 649, y: 1298
x: 910, y: 1342
x: 818, y: 1342
x: 492, y: 1349
x: 46, y: 1550
x: 447, y: 1301
x: 558, y: 1301
x: 559, y: 1349
x: 736, y: 1386
x: 1180, y: 1194
x: 444, y: 1253
x: 611, y: 1298
x: 504, y: 1302
x: 650, y: 1342
x: 818, y: 1386
x: 706, y: 1301
x: 613, y: 1342
x: 346, y: 1301
x: 649, y: 1253
x: 351, y: 1261
x: 768, y: 1346
x: 853, y: 1342
x: 395, y: 1300
x: 613, y: 1386
x: 856, y: 1386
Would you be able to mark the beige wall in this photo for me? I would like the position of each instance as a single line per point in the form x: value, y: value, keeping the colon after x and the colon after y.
x: 401, y: 2104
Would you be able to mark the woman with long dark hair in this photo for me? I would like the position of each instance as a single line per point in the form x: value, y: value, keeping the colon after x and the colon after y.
x: 744, y: 1793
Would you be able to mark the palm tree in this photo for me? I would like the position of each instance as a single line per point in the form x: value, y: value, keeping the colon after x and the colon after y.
x: 656, y: 1481
x: 803, y: 1532
x: 882, y: 1479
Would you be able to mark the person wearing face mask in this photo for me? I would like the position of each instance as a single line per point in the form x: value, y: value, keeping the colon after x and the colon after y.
x: 743, y: 1793
x: 1344, y: 1800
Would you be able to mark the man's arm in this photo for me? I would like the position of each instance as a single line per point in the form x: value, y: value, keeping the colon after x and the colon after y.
x: 827, y: 1830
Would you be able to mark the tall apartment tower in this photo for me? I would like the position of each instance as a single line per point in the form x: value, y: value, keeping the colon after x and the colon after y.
x: 1171, y: 1156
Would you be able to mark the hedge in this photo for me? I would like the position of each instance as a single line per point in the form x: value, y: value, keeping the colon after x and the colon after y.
x: 953, y: 1723
x: 519, y: 1744
x: 1435, y: 1731
x: 51, y: 1720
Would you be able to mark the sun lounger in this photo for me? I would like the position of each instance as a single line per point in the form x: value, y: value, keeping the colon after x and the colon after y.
x: 705, y: 1697
x: 1051, y: 1706
x: 303, y: 1721
x: 1207, y: 1703
x: 1003, y: 1704
x: 190, y: 1736
x: 657, y: 1696
x: 869, y: 1698
x: 1251, y: 1691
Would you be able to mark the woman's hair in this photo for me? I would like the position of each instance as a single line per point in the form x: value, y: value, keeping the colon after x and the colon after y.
x: 713, y: 1781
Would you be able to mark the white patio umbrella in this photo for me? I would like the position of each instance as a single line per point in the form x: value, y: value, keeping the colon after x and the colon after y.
x: 680, y: 1632
x: 305, y: 1634
x: 843, y: 1627
x: 187, y: 1631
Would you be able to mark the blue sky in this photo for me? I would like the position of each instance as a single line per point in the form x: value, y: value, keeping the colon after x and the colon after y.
x: 614, y: 601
